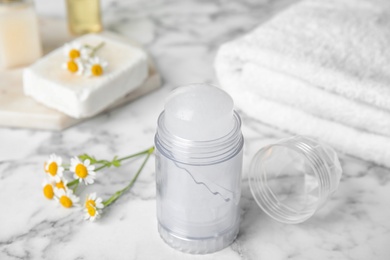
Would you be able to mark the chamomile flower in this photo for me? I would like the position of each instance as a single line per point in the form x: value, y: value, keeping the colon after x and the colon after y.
x: 66, y: 198
x: 53, y: 167
x: 62, y: 184
x: 75, y: 50
x: 93, y: 207
x: 75, y: 66
x: 95, y: 67
x: 48, y: 189
x: 83, y: 171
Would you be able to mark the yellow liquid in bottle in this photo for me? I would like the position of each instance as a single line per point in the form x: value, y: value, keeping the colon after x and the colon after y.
x: 84, y: 16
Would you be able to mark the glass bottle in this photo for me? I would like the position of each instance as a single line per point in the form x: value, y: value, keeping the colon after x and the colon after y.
x: 20, y: 42
x: 84, y: 16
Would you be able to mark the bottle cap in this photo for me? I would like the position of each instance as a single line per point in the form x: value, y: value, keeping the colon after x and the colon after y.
x: 290, y: 180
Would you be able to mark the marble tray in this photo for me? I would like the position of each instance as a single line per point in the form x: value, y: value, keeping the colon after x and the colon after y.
x: 18, y: 110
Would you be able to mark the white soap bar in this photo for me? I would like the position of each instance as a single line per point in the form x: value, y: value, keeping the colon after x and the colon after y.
x: 80, y: 96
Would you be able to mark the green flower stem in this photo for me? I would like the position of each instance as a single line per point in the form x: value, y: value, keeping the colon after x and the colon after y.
x: 101, y: 167
x: 66, y: 166
x: 147, y: 151
x: 76, y: 186
x: 95, y: 49
x: 108, y: 163
x: 119, y: 193
x: 74, y: 182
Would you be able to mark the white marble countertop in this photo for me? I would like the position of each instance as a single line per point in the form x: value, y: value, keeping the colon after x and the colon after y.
x: 183, y: 36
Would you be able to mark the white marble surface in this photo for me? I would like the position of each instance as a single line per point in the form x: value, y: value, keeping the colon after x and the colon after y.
x: 183, y: 37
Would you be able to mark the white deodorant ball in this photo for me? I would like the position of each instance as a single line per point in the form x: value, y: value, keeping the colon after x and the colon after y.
x: 199, y: 112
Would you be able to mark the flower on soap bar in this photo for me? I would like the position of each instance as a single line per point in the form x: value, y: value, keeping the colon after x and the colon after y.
x: 82, y: 60
x: 75, y: 50
x: 75, y: 66
x: 95, y: 67
x: 83, y: 169
x: 53, y: 167
x: 93, y: 207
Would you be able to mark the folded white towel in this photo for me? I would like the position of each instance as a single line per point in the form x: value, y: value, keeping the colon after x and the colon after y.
x: 370, y: 147
x: 338, y: 45
x: 327, y: 59
x: 297, y: 93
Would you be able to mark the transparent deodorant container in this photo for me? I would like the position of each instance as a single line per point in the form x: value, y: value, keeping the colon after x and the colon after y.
x: 198, y: 172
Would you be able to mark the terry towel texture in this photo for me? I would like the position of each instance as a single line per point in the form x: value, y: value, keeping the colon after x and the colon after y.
x: 319, y: 68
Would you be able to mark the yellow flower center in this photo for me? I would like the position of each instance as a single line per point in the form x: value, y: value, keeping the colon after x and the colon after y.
x: 91, y: 211
x: 48, y: 191
x: 73, y: 54
x: 53, y: 167
x: 96, y: 70
x: 60, y: 185
x: 90, y: 203
x: 66, y: 201
x: 81, y: 171
x: 72, y: 66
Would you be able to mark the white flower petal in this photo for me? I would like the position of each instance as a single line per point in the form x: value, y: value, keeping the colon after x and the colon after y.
x: 85, y: 52
x: 46, y: 182
x: 95, y: 60
x: 60, y: 171
x: 59, y: 192
x: 76, y: 199
x: 73, y: 161
x: 87, y: 162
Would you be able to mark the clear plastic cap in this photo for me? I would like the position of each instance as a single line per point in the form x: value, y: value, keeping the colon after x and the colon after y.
x: 292, y: 179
